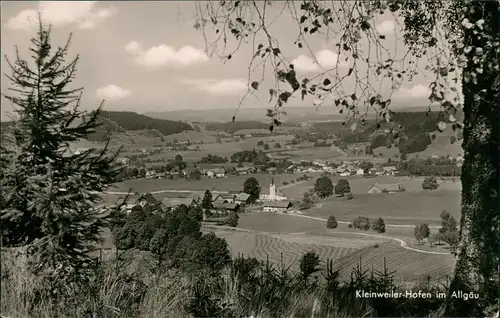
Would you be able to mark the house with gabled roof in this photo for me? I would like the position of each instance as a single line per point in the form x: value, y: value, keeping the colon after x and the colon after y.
x: 224, y: 208
x: 386, y: 188
x: 242, y: 198
x: 147, y: 199
x: 276, y: 206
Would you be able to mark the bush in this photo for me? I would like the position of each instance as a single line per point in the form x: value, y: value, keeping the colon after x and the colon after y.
x: 350, y: 225
x: 233, y: 219
x: 362, y: 223
x: 378, y: 226
x: 430, y: 183
x: 331, y: 223
x: 421, y: 231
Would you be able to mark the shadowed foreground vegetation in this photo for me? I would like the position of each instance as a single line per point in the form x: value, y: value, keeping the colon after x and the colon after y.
x: 129, y: 286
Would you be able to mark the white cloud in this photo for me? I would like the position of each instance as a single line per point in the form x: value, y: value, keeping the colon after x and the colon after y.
x: 417, y: 91
x: 326, y: 59
x: 165, y: 56
x: 224, y: 87
x: 112, y: 93
x: 61, y: 13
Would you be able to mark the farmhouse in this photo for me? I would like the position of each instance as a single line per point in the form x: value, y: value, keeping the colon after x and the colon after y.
x: 242, y: 198
x: 271, y: 169
x: 223, y: 198
x: 360, y: 172
x: 376, y: 171
x: 389, y: 188
x: 225, y: 208
x: 147, y: 199
x: 150, y: 174
x: 277, y: 206
x: 217, y: 172
x: 389, y: 170
x: 172, y: 203
x: 243, y: 170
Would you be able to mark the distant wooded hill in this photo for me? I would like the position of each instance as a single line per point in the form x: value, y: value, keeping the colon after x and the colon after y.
x: 416, y: 128
x: 120, y: 122
x: 232, y: 127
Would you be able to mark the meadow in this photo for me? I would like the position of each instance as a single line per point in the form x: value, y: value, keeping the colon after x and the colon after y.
x: 273, y: 236
x: 395, y: 208
x: 318, y: 153
x: 409, y: 265
x: 223, y: 184
x: 361, y: 185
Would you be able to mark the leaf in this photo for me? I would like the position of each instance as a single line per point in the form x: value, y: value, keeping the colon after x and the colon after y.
x: 365, y: 25
x: 260, y: 47
x: 284, y: 96
x: 271, y: 128
x: 350, y: 71
x: 303, y: 19
x: 353, y: 97
x: 276, y: 51
x: 382, y: 37
x: 229, y: 56
x: 372, y: 100
x: 326, y: 82
x: 272, y: 93
x: 277, y: 122
x: 255, y: 85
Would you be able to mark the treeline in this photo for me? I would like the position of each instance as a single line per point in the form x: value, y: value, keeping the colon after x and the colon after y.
x: 133, y: 121
x: 442, y: 167
x: 213, y: 159
x: 232, y: 127
x: 250, y: 156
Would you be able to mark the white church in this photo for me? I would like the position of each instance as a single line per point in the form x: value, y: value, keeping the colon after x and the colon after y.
x: 273, y: 194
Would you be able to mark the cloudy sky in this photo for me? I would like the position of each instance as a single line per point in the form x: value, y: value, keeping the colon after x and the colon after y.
x: 147, y: 56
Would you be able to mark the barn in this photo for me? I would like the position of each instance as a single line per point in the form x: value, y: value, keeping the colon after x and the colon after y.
x: 277, y: 206
x: 386, y: 188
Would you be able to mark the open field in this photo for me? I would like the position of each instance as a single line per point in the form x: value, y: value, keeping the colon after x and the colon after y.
x: 264, y: 234
x: 360, y: 185
x: 397, y: 208
x: 318, y: 153
x: 409, y: 265
x: 292, y: 247
x: 278, y: 223
x: 224, y: 184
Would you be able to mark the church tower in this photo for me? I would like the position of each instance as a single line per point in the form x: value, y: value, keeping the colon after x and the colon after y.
x: 272, y: 191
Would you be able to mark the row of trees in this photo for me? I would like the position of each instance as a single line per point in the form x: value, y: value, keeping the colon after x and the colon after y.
x: 361, y: 223
x: 213, y: 159
x: 423, y: 167
x: 448, y: 232
x: 324, y: 187
x: 250, y: 156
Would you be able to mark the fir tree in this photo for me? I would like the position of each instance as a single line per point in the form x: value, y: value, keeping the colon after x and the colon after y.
x: 49, y: 193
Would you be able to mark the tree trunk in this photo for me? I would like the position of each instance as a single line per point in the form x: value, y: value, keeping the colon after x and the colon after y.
x: 478, y: 251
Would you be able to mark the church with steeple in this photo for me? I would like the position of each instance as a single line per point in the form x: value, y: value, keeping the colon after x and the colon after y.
x: 273, y: 194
